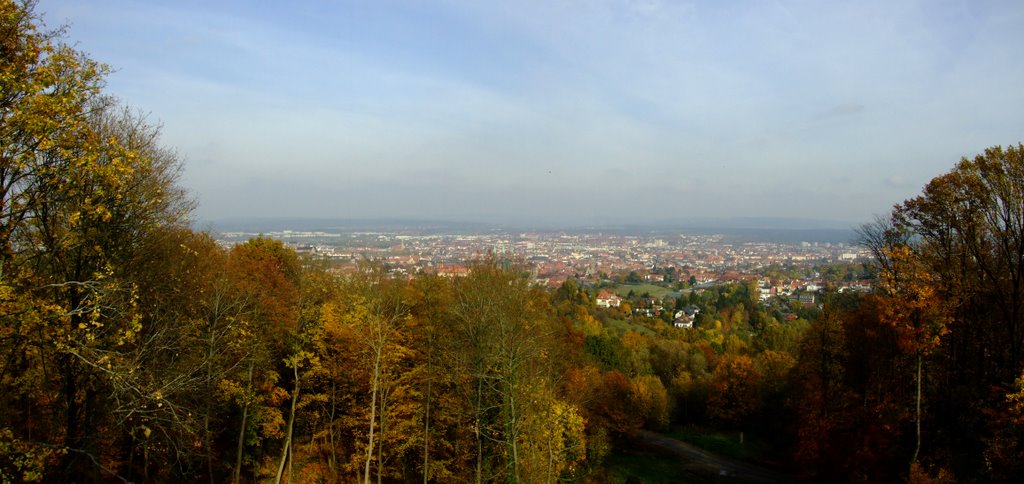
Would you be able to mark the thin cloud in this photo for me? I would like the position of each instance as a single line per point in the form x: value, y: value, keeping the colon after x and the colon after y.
x: 747, y: 97
x: 839, y: 111
x: 896, y: 181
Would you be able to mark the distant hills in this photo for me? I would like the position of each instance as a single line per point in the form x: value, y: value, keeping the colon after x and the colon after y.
x: 736, y: 229
x: 275, y: 224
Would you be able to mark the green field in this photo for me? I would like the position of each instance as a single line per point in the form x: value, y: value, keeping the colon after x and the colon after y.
x: 655, y: 291
x: 622, y: 326
x: 644, y: 465
x: 726, y: 444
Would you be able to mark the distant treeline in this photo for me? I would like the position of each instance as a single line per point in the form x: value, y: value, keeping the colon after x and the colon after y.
x: 742, y: 235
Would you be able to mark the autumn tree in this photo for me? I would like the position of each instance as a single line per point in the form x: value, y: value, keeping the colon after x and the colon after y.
x: 1007, y: 444
x: 734, y: 393
x: 503, y: 332
x: 432, y: 298
x: 954, y: 261
x: 83, y: 185
x: 377, y: 312
x: 651, y: 401
x: 912, y: 306
x: 823, y: 396
x: 32, y: 140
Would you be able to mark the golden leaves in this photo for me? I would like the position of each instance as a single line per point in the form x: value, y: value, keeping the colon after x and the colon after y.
x: 910, y: 301
x: 1015, y: 402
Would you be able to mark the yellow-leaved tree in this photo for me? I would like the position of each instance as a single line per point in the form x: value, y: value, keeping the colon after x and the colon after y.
x: 83, y: 185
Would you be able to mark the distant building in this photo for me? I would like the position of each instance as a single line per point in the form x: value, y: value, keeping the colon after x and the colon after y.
x: 607, y: 299
x: 767, y: 291
x: 813, y: 286
x: 685, y: 317
x: 452, y: 270
x: 857, y: 287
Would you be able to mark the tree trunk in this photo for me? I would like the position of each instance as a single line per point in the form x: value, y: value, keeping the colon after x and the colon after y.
x: 287, y: 452
x: 479, y: 438
x: 209, y: 448
x: 551, y: 461
x: 426, y: 413
x: 511, y: 432
x: 385, y: 392
x: 380, y: 442
x: 207, y: 442
x: 332, y: 465
x: 917, y: 413
x: 375, y: 383
x: 70, y: 466
x: 131, y: 457
x: 241, y: 430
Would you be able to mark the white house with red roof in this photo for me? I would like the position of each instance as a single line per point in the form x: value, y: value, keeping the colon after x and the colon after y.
x: 606, y: 299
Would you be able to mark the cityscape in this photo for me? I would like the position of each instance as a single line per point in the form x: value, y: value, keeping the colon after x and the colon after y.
x: 660, y: 257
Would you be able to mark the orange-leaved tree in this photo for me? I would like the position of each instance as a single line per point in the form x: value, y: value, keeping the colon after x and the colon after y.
x: 911, y: 304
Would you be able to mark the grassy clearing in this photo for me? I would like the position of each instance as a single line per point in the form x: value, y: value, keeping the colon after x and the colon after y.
x: 622, y: 326
x: 634, y: 467
x: 655, y: 291
x: 753, y: 448
x: 644, y: 465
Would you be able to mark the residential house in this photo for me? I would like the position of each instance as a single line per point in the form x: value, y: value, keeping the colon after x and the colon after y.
x: 606, y: 299
x: 685, y: 317
x: 654, y: 277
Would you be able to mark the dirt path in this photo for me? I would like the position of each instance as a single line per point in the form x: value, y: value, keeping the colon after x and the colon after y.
x: 702, y: 462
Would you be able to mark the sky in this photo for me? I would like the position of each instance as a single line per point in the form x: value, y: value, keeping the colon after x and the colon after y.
x: 561, y: 112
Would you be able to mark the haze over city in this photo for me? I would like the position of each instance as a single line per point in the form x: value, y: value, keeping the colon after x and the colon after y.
x: 561, y: 112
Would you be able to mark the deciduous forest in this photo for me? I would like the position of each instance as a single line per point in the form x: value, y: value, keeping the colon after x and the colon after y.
x: 135, y: 348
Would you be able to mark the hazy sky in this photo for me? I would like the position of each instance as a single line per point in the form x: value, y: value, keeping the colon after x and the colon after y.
x: 562, y: 111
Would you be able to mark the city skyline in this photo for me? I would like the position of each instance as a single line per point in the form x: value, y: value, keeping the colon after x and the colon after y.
x: 561, y: 112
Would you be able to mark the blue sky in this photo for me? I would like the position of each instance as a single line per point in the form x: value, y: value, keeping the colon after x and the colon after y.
x: 562, y: 111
